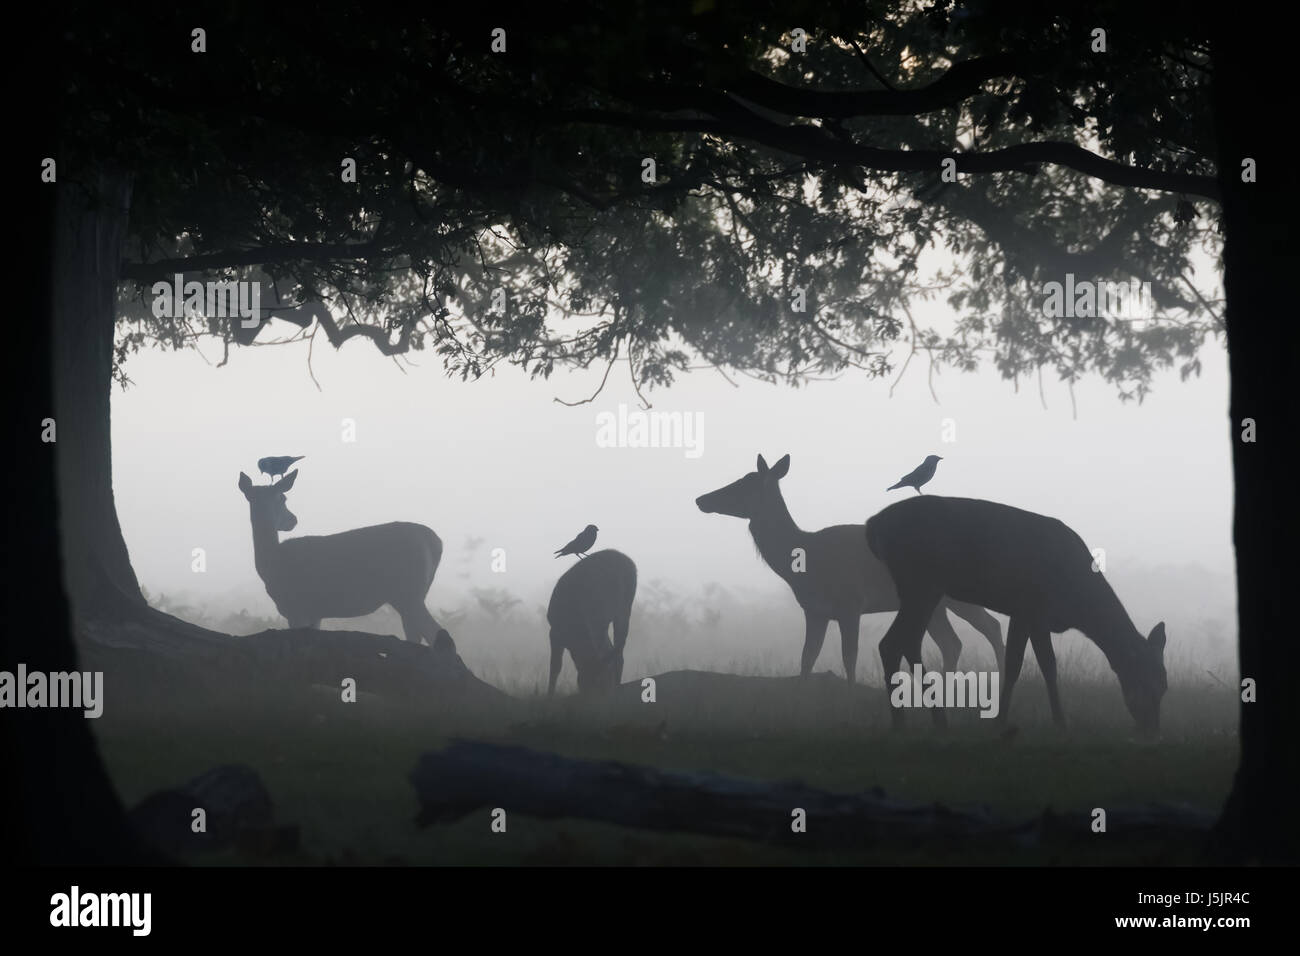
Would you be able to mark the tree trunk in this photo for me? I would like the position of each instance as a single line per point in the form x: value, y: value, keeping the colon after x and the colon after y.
x: 68, y: 811
x: 1260, y: 251
x: 90, y: 227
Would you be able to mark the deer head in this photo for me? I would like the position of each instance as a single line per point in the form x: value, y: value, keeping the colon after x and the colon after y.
x: 1143, y: 681
x: 266, y: 504
x: 746, y: 497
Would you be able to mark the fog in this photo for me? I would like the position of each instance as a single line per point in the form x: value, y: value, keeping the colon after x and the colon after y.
x: 500, y: 464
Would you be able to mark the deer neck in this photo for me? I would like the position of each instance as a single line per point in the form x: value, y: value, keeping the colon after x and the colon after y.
x: 1108, y: 625
x: 266, y: 549
x: 775, y: 534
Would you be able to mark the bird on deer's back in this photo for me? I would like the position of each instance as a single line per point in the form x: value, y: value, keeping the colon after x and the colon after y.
x: 916, y: 478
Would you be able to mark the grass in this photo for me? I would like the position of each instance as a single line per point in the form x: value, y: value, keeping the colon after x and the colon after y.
x: 339, y: 771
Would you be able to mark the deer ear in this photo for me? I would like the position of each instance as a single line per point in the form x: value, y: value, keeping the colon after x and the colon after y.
x: 762, y: 466
x: 285, y: 483
x: 780, y: 468
x: 245, y: 484
x: 1157, y: 638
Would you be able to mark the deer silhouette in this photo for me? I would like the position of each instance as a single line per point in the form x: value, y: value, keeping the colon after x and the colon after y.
x: 1033, y: 568
x: 348, y: 574
x: 593, y: 594
x: 838, y: 578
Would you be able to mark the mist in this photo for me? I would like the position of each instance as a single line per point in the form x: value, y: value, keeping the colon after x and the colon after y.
x: 506, y: 474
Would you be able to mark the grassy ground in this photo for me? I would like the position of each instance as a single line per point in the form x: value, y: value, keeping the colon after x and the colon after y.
x: 339, y: 771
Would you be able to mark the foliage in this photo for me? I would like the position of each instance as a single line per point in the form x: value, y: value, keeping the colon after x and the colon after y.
x: 775, y: 170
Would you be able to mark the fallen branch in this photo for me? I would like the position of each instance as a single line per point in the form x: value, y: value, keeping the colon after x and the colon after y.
x: 161, y: 645
x: 467, y: 776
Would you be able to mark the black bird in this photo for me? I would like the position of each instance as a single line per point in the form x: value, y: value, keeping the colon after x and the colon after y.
x: 923, y: 473
x: 581, y: 544
x: 275, y: 467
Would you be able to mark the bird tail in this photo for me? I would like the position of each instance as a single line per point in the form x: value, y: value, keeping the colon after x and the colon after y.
x: 560, y: 552
x: 892, y: 487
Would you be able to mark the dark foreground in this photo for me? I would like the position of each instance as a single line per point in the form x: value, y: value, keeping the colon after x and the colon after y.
x: 339, y: 772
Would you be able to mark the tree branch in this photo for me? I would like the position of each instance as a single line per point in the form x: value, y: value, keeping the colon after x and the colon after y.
x: 237, y: 258
x: 810, y: 142
x: 956, y: 85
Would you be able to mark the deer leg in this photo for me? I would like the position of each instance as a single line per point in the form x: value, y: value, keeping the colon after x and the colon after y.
x: 943, y: 634
x: 1017, y: 638
x: 417, y: 623
x: 914, y: 656
x: 985, y: 623
x: 1041, y: 639
x: 440, y: 633
x: 603, y: 661
x: 814, y: 636
x: 620, y: 641
x: 904, y: 638
x: 849, y: 625
x: 557, y: 661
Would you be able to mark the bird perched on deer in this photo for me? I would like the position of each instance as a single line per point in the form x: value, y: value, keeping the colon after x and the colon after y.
x: 923, y: 473
x: 277, y: 466
x: 581, y: 544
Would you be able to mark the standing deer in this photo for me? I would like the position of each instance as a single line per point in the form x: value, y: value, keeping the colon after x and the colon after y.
x: 593, y: 594
x: 346, y: 574
x: 1033, y: 568
x: 839, y: 578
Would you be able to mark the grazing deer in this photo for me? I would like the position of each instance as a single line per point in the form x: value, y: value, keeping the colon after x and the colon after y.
x: 1018, y: 563
x: 593, y: 594
x: 346, y: 574
x: 838, y: 578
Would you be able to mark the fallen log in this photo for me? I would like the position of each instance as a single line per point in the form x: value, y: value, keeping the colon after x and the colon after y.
x: 467, y: 776
x: 162, y: 648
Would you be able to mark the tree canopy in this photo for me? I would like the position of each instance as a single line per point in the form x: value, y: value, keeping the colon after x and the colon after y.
x: 502, y: 209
